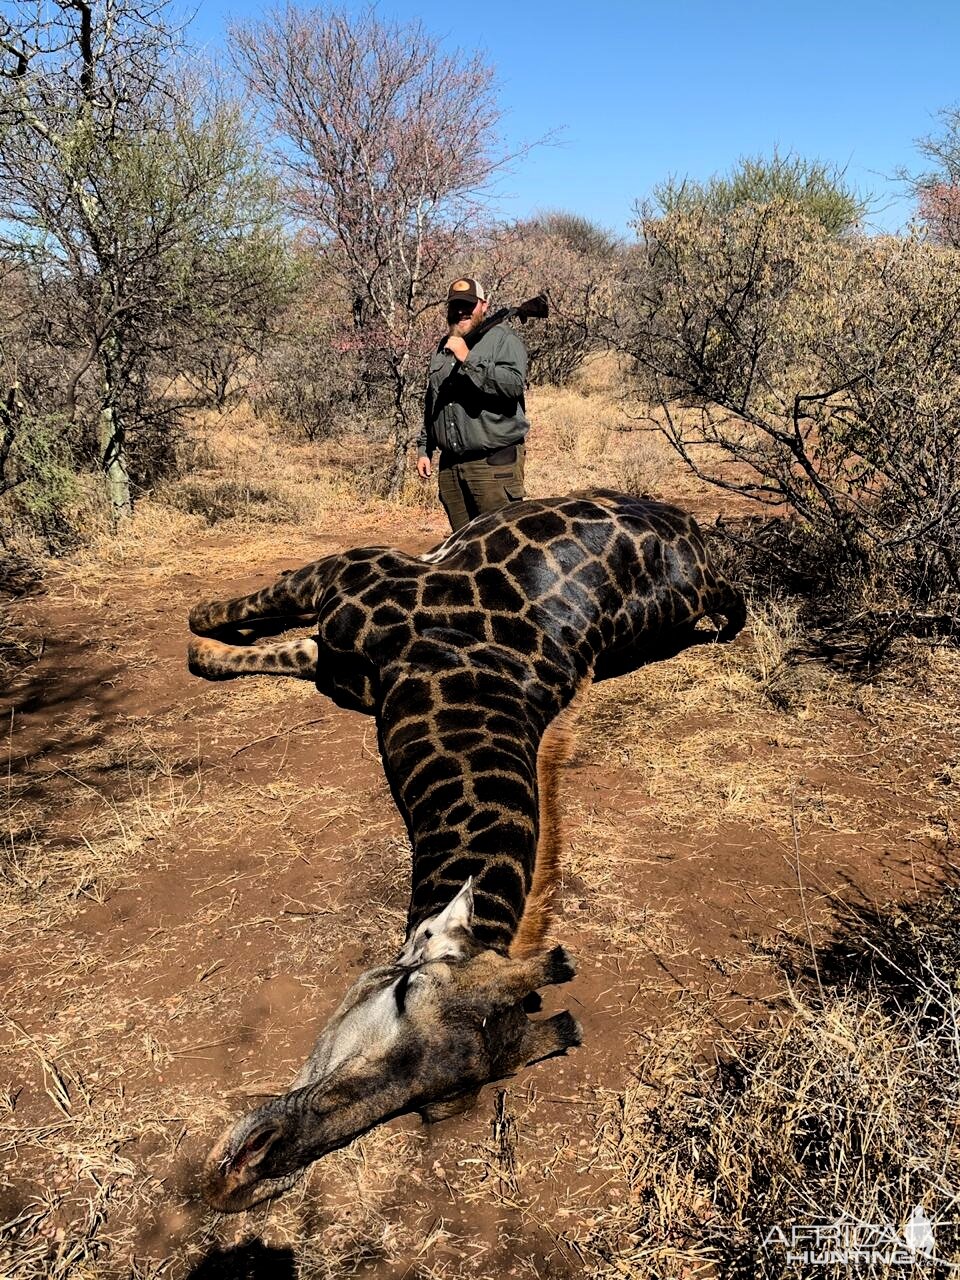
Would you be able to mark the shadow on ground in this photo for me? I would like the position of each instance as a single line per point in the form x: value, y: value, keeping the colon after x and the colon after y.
x: 67, y: 701
x: 897, y: 951
x: 250, y: 1261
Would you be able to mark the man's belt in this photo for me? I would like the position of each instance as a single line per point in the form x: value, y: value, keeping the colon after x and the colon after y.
x: 503, y: 457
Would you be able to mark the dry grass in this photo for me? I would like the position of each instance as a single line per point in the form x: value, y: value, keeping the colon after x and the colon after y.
x: 189, y: 879
x: 112, y: 1087
x: 582, y: 442
x: 247, y: 491
x: 842, y: 1110
x: 680, y: 731
x: 20, y: 645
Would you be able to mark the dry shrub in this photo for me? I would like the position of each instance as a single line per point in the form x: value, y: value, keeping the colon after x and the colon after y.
x: 19, y: 574
x: 841, y: 1110
x: 816, y: 376
x: 569, y: 439
x: 576, y: 264
x: 237, y: 468
x: 19, y: 645
x: 417, y: 494
x: 776, y: 636
x: 582, y: 441
x: 643, y: 465
x: 603, y: 373
x: 218, y: 500
x: 310, y: 380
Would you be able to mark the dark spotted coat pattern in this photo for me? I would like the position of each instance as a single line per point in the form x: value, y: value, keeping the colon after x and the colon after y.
x: 466, y: 654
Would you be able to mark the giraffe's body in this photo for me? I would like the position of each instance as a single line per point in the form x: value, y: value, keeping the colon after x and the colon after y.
x: 466, y: 656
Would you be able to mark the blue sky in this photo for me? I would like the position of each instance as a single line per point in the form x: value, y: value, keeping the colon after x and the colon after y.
x: 639, y: 91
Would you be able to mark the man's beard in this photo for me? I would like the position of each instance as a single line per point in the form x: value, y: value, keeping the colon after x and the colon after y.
x: 463, y: 325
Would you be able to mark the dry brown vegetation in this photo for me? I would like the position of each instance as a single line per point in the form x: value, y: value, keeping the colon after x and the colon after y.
x: 190, y: 873
x: 817, y: 376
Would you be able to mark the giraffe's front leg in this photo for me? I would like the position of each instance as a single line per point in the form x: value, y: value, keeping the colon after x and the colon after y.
x: 547, y: 969
x: 290, y: 600
x: 217, y: 661
x: 549, y: 1036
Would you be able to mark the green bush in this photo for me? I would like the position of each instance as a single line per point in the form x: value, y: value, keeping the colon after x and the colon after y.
x: 816, y: 188
x: 39, y: 484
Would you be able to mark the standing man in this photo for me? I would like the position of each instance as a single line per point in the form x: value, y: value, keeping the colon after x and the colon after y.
x: 474, y: 411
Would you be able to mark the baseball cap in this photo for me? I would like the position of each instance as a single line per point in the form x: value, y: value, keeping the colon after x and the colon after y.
x: 466, y: 290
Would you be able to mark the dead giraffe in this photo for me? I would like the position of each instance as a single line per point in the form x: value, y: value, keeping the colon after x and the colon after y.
x: 470, y: 658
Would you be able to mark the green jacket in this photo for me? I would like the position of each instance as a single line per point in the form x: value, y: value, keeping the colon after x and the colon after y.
x: 478, y: 404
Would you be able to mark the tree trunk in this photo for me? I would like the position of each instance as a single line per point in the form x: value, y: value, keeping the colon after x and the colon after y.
x: 398, y: 464
x: 402, y: 413
x: 113, y: 460
x: 114, y: 464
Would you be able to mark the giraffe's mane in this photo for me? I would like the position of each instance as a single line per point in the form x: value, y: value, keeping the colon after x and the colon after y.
x: 556, y: 748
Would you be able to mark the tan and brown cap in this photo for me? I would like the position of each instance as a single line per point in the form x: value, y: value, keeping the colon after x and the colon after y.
x: 466, y: 290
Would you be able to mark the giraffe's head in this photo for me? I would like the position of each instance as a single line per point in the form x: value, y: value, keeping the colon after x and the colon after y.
x: 422, y: 1034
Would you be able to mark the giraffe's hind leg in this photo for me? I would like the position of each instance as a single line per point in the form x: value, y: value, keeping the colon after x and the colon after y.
x: 216, y: 661
x: 291, y: 599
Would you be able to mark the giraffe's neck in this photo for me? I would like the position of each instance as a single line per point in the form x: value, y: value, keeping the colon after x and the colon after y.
x: 459, y: 749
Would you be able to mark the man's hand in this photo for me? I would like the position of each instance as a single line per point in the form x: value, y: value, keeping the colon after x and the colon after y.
x: 424, y: 469
x: 457, y: 347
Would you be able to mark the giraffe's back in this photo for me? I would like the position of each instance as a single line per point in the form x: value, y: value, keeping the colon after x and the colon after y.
x: 562, y: 581
x: 552, y: 588
x: 505, y: 622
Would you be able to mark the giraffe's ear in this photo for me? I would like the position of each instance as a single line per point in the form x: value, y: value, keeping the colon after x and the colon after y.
x: 445, y: 935
x: 458, y: 914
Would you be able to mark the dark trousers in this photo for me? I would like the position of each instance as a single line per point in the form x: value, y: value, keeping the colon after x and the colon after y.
x: 473, y: 487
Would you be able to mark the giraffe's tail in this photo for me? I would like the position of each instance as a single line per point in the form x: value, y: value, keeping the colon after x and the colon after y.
x: 556, y: 748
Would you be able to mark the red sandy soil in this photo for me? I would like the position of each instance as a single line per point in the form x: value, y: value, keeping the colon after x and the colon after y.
x: 268, y: 868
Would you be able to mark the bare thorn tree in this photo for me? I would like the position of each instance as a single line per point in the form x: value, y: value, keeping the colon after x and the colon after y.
x: 387, y: 146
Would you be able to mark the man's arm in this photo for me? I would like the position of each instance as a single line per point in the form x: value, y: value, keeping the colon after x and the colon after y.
x: 501, y: 371
x: 424, y: 450
x: 423, y: 447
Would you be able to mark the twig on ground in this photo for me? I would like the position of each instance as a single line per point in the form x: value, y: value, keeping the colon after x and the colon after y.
x: 270, y: 737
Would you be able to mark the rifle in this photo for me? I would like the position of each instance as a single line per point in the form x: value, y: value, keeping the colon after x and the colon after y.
x: 536, y: 308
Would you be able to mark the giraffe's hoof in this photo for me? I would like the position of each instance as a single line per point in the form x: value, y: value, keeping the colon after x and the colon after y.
x: 550, y: 1036
x: 199, y: 621
x: 205, y: 658
x: 198, y: 661
x: 436, y: 1111
x: 560, y: 966
x: 567, y: 1030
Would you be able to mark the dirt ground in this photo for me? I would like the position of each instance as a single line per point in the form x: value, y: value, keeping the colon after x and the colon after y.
x: 194, y: 873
